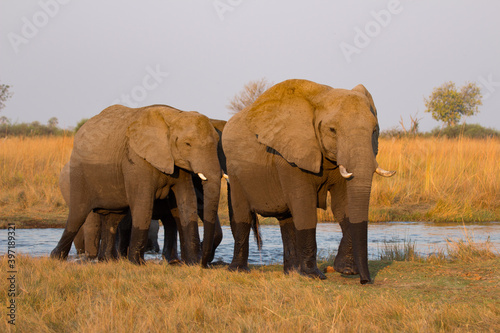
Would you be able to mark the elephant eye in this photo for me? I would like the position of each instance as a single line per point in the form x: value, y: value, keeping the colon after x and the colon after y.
x: 187, y: 144
x: 333, y: 130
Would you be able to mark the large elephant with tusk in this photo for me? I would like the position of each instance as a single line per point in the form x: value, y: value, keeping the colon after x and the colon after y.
x: 130, y: 159
x: 297, y: 142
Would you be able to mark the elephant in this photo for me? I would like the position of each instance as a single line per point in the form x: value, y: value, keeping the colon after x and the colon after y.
x: 298, y: 141
x: 129, y: 159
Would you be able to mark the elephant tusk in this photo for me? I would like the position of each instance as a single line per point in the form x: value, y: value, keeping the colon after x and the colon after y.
x: 226, y: 177
x: 384, y: 173
x: 344, y: 172
x: 202, y: 176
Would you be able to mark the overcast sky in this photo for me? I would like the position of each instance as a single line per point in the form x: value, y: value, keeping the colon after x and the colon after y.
x: 72, y: 59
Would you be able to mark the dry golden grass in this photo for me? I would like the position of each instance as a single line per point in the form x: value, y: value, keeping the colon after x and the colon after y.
x: 441, y: 179
x: 437, y: 179
x: 412, y: 296
x: 29, y: 175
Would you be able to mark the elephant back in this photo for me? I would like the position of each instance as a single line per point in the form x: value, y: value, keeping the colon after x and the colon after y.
x: 102, y: 137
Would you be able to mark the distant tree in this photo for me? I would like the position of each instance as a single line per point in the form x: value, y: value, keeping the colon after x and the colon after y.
x: 53, y: 122
x: 250, y: 92
x: 448, y: 104
x: 5, y: 94
x: 80, y: 124
x: 4, y: 120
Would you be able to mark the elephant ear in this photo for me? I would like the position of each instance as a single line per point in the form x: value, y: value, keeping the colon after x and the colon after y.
x: 283, y: 119
x: 362, y: 90
x: 148, y: 138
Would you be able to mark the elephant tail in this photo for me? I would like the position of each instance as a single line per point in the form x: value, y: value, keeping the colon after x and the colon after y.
x: 256, y: 231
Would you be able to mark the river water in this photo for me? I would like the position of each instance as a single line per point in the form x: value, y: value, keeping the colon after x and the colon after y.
x: 427, y: 238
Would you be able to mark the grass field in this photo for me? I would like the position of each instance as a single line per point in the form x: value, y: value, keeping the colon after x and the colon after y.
x: 458, y: 294
x: 437, y: 179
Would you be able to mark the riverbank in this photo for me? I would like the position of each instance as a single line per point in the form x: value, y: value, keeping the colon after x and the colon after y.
x: 437, y: 180
x: 456, y: 294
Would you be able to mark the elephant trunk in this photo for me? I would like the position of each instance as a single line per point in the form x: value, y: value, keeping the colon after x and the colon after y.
x: 358, y: 196
x: 362, y: 165
x: 211, y: 195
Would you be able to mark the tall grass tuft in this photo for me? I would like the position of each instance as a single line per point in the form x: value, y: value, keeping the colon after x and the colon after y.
x: 405, y: 251
x: 468, y: 249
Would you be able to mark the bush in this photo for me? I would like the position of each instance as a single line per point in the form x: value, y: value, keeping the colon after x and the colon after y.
x: 29, y: 129
x: 474, y: 131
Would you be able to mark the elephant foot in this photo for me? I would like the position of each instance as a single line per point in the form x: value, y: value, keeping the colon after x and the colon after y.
x: 58, y: 254
x: 174, y: 261
x: 345, y: 267
x: 288, y: 270
x: 314, y: 273
x: 238, y: 268
x: 290, y: 267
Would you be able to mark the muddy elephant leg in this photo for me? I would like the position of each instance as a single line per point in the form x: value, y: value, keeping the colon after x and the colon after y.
x: 171, y: 221
x: 92, y: 235
x: 108, y: 248
x: 123, y: 235
x: 141, y: 209
x: 188, y: 218
x: 79, y: 241
x: 152, y: 244
x: 241, y: 222
x: 76, y: 218
x: 288, y: 236
x: 302, y: 203
x: 344, y: 260
x: 169, y: 252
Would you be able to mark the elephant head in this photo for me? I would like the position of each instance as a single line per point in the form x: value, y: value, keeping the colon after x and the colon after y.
x: 166, y: 137
x: 308, y: 123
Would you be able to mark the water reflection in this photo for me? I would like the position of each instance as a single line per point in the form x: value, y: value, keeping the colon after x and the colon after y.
x: 428, y: 238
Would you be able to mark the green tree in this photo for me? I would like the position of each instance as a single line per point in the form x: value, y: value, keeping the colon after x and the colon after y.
x: 5, y: 94
x: 448, y: 104
x: 80, y: 124
x: 250, y: 92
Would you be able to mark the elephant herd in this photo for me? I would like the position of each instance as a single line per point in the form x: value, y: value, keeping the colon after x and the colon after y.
x: 282, y: 155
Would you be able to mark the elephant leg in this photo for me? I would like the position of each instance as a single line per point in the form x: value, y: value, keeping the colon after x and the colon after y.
x: 344, y: 260
x: 123, y: 235
x: 108, y: 249
x: 241, y: 222
x: 152, y: 244
x: 76, y: 218
x: 288, y: 236
x: 171, y: 220
x: 188, y: 229
x: 169, y: 252
x: 92, y: 235
x: 302, y: 201
x: 141, y: 211
x: 79, y: 241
